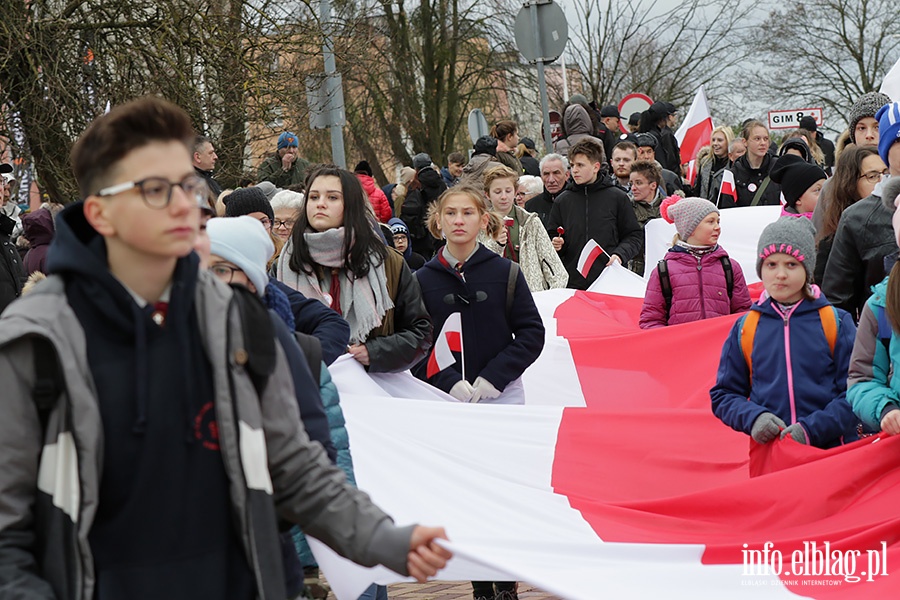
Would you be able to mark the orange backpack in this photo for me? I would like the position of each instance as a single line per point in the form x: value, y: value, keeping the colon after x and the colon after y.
x: 828, y: 316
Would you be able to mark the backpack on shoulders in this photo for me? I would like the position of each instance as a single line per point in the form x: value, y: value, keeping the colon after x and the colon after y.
x: 828, y: 317
x: 665, y: 283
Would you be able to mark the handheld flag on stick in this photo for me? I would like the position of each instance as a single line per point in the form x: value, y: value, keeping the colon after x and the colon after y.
x: 448, y: 342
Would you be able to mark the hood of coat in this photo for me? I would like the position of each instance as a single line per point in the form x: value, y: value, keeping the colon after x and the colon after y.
x: 37, y: 227
x: 577, y: 120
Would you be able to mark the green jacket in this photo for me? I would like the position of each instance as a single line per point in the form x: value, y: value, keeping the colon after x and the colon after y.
x: 271, y: 170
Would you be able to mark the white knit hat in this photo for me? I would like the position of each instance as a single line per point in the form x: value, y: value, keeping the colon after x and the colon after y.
x: 246, y: 243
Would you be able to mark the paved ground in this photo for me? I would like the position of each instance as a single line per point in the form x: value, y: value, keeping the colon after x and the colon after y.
x: 454, y: 590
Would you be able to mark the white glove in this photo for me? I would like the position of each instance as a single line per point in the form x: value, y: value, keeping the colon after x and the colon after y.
x: 462, y: 390
x: 484, y: 389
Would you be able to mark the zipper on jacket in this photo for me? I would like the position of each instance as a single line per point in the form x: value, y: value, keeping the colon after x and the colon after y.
x: 700, y: 277
x: 787, y: 357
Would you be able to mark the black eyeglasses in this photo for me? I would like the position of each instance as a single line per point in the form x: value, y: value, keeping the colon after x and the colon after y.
x: 157, y: 191
x: 278, y: 223
x: 224, y: 272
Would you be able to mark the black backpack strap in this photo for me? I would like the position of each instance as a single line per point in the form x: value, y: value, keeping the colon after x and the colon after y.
x: 312, y: 350
x: 511, y: 288
x: 48, y: 379
x: 729, y: 274
x: 665, y: 284
x: 259, y: 336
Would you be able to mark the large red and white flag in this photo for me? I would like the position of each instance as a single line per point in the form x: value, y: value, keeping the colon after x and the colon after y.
x: 448, y: 342
x: 728, y: 187
x: 589, y: 254
x: 615, y: 479
x: 696, y: 129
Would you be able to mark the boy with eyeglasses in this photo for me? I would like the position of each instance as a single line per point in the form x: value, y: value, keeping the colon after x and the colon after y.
x: 159, y: 469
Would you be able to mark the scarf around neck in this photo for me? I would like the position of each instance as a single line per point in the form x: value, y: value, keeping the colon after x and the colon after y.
x: 363, y: 302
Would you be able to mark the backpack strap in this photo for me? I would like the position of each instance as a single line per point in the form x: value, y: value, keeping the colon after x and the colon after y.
x: 312, y: 350
x: 729, y: 275
x: 665, y: 284
x: 48, y: 379
x: 511, y: 288
x: 829, y: 318
x: 759, y: 193
x: 259, y: 336
x: 884, y: 329
x: 748, y: 333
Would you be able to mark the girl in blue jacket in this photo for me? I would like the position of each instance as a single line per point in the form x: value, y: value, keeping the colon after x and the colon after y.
x: 502, y: 331
x: 783, y: 370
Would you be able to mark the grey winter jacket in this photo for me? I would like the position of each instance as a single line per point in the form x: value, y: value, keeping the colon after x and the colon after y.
x: 578, y: 126
x: 49, y: 484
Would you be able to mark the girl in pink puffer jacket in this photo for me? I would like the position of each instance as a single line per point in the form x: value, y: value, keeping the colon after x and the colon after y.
x: 697, y: 270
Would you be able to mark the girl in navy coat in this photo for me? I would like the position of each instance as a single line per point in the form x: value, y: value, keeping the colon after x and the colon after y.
x: 502, y: 331
x: 798, y: 345
x: 501, y: 335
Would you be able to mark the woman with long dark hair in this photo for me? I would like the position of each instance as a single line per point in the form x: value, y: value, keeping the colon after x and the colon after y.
x: 858, y: 171
x: 336, y: 256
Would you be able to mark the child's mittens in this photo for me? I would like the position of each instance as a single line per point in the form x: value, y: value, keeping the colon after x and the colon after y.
x: 484, y: 389
x: 766, y: 428
x: 462, y: 390
x: 796, y: 432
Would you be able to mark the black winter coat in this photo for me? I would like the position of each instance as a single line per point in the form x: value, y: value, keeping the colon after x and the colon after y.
x: 748, y: 180
x: 497, y: 346
x: 415, y: 210
x: 863, y: 239
x: 598, y: 211
x: 12, y: 274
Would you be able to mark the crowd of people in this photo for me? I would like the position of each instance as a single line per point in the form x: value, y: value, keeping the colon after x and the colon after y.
x: 318, y: 261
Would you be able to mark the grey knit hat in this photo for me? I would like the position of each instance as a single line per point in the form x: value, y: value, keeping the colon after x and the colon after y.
x: 794, y: 236
x: 867, y: 105
x: 686, y: 213
x: 889, y: 192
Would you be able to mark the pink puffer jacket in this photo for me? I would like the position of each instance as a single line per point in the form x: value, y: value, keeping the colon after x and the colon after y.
x: 699, y: 290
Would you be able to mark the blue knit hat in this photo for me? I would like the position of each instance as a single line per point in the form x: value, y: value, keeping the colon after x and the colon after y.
x: 287, y: 140
x: 888, y: 129
x: 246, y: 243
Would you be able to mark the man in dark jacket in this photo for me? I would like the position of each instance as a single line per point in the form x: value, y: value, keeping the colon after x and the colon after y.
x: 12, y: 275
x: 647, y: 146
x: 827, y: 146
x: 609, y: 128
x: 204, y: 159
x: 594, y: 209
x: 423, y: 191
x: 555, y: 175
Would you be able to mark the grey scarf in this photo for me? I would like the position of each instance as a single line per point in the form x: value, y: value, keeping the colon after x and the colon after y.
x: 364, y: 302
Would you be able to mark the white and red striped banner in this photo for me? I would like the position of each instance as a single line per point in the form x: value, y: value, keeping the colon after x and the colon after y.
x: 615, y: 479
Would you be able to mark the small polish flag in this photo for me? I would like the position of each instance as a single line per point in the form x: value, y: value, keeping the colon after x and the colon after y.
x: 692, y: 171
x: 590, y: 253
x: 728, y: 187
x: 448, y: 342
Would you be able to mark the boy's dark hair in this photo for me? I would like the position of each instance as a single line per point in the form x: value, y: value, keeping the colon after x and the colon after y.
x: 132, y: 125
x: 457, y: 158
x: 589, y: 149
